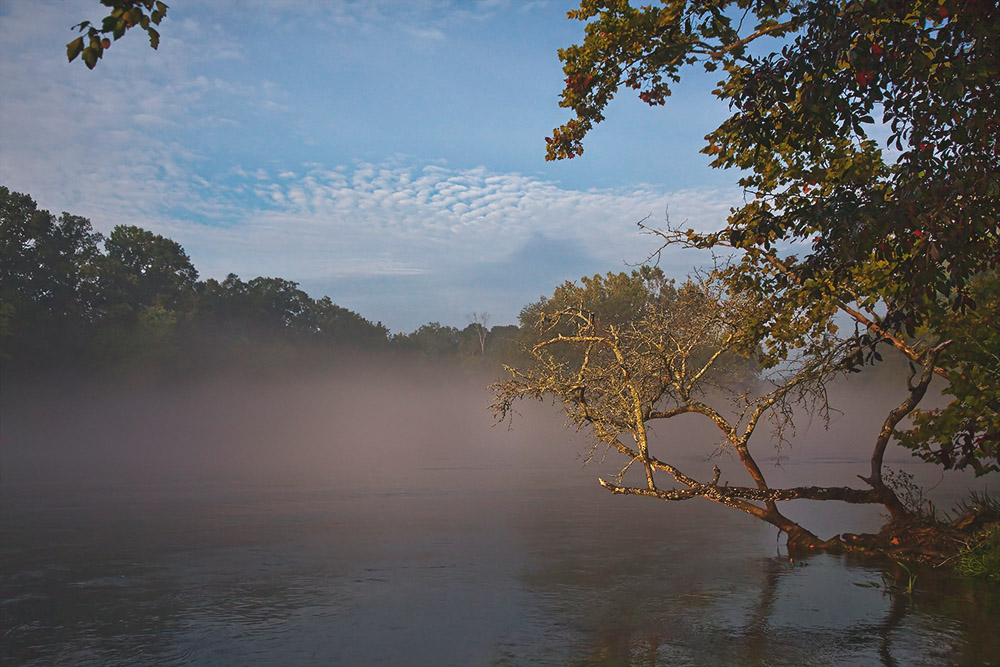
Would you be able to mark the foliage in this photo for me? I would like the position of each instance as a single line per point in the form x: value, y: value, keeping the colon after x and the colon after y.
x: 802, y: 125
x: 431, y: 339
x: 894, y: 233
x: 137, y: 306
x: 47, y: 273
x: 141, y: 268
x: 982, y: 558
x: 617, y: 298
x: 908, y: 491
x: 337, y: 324
x: 966, y: 432
x: 124, y: 15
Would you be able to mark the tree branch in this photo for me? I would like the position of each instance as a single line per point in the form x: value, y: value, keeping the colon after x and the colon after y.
x: 717, y: 54
x: 896, y: 415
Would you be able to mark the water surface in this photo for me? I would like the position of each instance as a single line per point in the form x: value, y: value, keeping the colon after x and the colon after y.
x: 285, y: 528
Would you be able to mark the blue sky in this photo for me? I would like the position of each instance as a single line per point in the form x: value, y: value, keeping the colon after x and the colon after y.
x: 389, y: 155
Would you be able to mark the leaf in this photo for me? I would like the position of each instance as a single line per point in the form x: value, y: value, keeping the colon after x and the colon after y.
x: 73, y: 48
x: 90, y: 57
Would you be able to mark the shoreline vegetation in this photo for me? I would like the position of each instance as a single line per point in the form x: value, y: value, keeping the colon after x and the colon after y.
x: 968, y: 544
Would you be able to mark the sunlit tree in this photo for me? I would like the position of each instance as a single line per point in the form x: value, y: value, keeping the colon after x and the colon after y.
x: 690, y: 351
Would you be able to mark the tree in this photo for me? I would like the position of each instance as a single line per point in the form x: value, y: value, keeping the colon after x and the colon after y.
x: 480, y: 321
x: 894, y: 233
x: 690, y: 353
x: 432, y: 339
x: 900, y: 235
x: 142, y: 269
x: 47, y: 276
x: 124, y: 15
x: 340, y: 325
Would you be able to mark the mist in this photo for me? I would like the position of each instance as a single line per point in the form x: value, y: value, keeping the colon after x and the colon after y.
x: 366, y: 423
x: 381, y: 424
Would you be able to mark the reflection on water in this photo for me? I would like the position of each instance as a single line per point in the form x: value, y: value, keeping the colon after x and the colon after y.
x: 476, y: 550
x: 284, y: 575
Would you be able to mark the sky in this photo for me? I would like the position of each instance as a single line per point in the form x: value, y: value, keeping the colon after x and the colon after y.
x: 387, y: 154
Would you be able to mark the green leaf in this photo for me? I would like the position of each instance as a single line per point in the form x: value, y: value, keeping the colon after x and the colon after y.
x: 90, y: 57
x: 73, y: 48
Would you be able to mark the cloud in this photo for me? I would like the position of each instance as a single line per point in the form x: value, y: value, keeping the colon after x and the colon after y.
x: 327, y: 222
x: 421, y: 20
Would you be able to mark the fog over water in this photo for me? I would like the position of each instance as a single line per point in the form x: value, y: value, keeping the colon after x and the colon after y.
x: 374, y: 515
x: 370, y: 423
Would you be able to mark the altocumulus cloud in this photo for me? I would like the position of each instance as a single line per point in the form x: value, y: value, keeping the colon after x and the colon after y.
x: 393, y: 218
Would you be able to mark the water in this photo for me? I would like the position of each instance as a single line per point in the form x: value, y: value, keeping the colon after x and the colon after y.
x: 487, y: 549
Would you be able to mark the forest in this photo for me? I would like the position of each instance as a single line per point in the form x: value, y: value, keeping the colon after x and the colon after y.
x: 132, y: 305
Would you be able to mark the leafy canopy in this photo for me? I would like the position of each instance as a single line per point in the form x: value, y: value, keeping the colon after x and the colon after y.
x: 866, y: 136
x: 910, y: 222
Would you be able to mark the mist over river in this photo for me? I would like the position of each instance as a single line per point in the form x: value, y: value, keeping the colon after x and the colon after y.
x: 376, y: 517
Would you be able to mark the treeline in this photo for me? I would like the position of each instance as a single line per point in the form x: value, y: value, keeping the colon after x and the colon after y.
x: 132, y: 303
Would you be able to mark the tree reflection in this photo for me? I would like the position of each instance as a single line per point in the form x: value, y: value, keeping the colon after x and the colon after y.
x: 790, y: 611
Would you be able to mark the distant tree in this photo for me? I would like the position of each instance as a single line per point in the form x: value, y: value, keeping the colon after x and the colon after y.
x: 142, y: 268
x: 123, y: 16
x: 259, y: 308
x: 616, y: 298
x: 504, y: 344
x: 280, y: 305
x: 274, y: 312
x: 432, y: 339
x: 47, y: 276
x: 340, y: 325
x: 480, y: 324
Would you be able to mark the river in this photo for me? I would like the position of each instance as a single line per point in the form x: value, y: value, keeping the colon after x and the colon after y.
x: 390, y: 524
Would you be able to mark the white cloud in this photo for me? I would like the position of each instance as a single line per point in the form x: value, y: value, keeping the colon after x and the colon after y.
x: 369, y: 219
